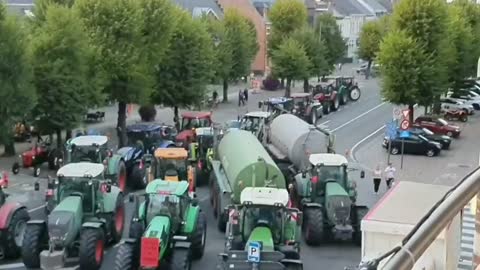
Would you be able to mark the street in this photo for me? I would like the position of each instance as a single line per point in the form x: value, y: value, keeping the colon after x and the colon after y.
x: 358, y: 127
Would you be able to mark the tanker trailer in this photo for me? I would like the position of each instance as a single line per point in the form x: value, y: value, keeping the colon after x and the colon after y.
x: 318, y: 180
x: 242, y: 162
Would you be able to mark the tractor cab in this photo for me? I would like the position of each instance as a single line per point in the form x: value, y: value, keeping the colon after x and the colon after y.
x: 191, y: 121
x: 171, y: 164
x: 90, y: 148
x: 328, y: 168
x: 301, y: 102
x: 253, y: 121
x: 276, y: 104
x: 150, y: 136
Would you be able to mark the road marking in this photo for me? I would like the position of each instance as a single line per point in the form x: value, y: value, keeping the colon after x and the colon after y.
x: 359, y: 116
x: 36, y: 208
x: 352, y: 154
x: 326, y: 122
x: 12, y: 266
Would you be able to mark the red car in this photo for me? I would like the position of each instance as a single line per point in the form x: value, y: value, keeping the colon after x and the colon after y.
x: 438, y: 125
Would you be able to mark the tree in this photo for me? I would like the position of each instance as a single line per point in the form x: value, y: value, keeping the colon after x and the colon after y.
x: 239, y: 39
x: 41, y: 6
x: 60, y: 67
x: 118, y: 30
x: 371, y: 36
x: 17, y: 96
x: 286, y: 16
x: 328, y: 30
x: 315, y: 50
x: 185, y: 73
x: 406, y: 68
x: 290, y: 61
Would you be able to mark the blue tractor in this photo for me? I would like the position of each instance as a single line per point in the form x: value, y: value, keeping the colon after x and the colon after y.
x: 143, y: 139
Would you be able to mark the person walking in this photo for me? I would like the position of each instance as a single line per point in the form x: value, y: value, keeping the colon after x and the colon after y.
x: 377, y: 178
x: 390, y: 175
x: 241, y: 100
x: 245, y: 95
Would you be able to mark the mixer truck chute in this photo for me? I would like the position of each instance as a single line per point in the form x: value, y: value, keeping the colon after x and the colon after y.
x: 241, y: 162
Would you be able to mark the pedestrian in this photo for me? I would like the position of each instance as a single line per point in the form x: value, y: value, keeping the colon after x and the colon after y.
x: 390, y: 175
x: 215, y: 97
x: 245, y: 94
x: 377, y: 178
x: 240, y: 98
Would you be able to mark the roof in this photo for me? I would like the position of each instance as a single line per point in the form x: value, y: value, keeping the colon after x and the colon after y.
x: 204, y: 131
x: 327, y: 159
x: 171, y: 153
x: 176, y: 188
x: 196, y: 114
x: 81, y: 169
x: 375, y: 6
x: 264, y: 196
x: 258, y: 114
x: 143, y: 127
x: 200, y: 7
x: 387, y: 4
x: 350, y: 7
x: 299, y: 95
x: 278, y: 100
x: 89, y: 140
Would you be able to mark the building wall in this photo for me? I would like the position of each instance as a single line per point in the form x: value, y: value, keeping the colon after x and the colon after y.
x: 350, y: 26
x: 246, y: 8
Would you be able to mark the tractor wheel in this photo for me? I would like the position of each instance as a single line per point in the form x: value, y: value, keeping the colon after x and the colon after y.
x: 358, y: 214
x: 199, y: 237
x: 53, y: 159
x: 326, y: 108
x: 122, y: 176
x: 181, y: 259
x: 33, y: 241
x: 15, y: 233
x: 118, y: 219
x: 221, y: 223
x: 355, y: 94
x: 36, y: 170
x: 335, y: 103
x: 343, y: 99
x: 92, y: 248
x: 126, y: 258
x: 15, y: 168
x: 313, y: 226
x: 138, y: 177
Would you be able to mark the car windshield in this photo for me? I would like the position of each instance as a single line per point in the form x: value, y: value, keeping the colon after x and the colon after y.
x: 86, y: 153
x: 67, y: 186
x: 189, y: 123
x: 263, y: 216
x: 427, y: 131
x: 162, y: 205
x: 443, y: 122
x: 337, y: 173
x: 176, y: 165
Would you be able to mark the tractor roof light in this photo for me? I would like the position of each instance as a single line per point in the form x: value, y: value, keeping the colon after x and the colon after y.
x: 315, y: 179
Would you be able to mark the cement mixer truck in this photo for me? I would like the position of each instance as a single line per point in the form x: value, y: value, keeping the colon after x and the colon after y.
x: 317, y: 179
x: 250, y: 201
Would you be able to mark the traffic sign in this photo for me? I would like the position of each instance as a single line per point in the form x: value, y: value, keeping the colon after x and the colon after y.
x: 405, y: 124
x: 404, y: 134
x: 391, y: 131
x: 397, y: 113
x: 406, y: 113
x: 254, y: 252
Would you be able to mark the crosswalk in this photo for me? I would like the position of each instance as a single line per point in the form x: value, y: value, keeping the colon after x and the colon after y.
x: 466, y: 246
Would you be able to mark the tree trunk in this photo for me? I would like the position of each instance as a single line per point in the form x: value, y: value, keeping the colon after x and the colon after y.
x: 410, y: 114
x: 282, y: 83
x: 9, y: 149
x: 306, y: 86
x: 287, y: 89
x: 58, y: 132
x: 436, y: 108
x: 426, y: 110
x: 367, y: 72
x: 176, y: 119
x: 122, y: 123
x: 68, y: 134
x: 225, y: 90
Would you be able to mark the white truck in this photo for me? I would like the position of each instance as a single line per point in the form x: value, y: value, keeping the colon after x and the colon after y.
x: 395, y: 215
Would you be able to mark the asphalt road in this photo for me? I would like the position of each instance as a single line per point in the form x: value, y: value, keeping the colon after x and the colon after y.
x: 351, y: 124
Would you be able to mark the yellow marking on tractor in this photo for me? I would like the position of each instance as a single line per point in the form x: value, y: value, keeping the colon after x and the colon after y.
x: 171, y: 178
x: 171, y: 153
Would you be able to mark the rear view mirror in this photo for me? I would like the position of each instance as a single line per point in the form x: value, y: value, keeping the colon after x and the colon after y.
x: 362, y: 174
x: 36, y: 186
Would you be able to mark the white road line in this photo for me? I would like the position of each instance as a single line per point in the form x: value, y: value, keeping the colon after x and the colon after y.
x: 359, y: 116
x: 12, y: 266
x: 36, y: 208
x: 352, y: 154
x: 326, y: 122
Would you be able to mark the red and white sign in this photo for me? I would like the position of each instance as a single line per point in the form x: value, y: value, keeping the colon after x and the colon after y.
x: 406, y: 113
x: 405, y: 124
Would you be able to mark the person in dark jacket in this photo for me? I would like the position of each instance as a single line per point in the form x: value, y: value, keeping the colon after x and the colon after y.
x: 245, y: 94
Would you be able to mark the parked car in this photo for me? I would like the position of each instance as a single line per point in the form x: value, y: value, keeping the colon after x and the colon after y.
x: 413, y: 144
x: 447, y: 104
x: 466, y: 97
x: 438, y: 125
x: 444, y: 140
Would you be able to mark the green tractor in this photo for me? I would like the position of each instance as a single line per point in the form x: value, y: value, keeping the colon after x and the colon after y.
x: 328, y: 199
x: 201, y: 152
x: 87, y: 214
x: 264, y: 226
x: 168, y: 228
x: 346, y: 87
x: 94, y: 148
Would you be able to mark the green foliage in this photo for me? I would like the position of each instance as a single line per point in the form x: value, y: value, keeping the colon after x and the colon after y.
x: 286, y: 16
x: 17, y: 96
x: 328, y: 30
x: 290, y: 61
x: 182, y: 78
x: 405, y: 68
x: 370, y: 38
x: 41, y: 6
x: 60, y: 66
x: 222, y: 61
x: 314, y: 48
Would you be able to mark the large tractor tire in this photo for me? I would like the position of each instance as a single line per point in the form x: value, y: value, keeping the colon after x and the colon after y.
x: 15, y: 233
x: 138, y: 177
x: 15, y: 168
x: 199, y: 237
x: 181, y: 259
x: 126, y: 258
x: 55, y: 157
x: 221, y: 222
x: 326, y: 108
x: 358, y: 214
x: 354, y: 94
x: 92, y: 248
x: 313, y: 226
x: 35, y: 239
x: 118, y: 220
x: 343, y: 98
x: 335, y: 104
x: 122, y: 176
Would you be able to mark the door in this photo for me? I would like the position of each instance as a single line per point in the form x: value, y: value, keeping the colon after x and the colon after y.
x: 411, y: 145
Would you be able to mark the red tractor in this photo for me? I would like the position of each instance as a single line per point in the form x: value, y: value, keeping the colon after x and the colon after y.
x: 191, y: 121
x: 40, y: 153
x: 13, y: 222
x: 326, y: 94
